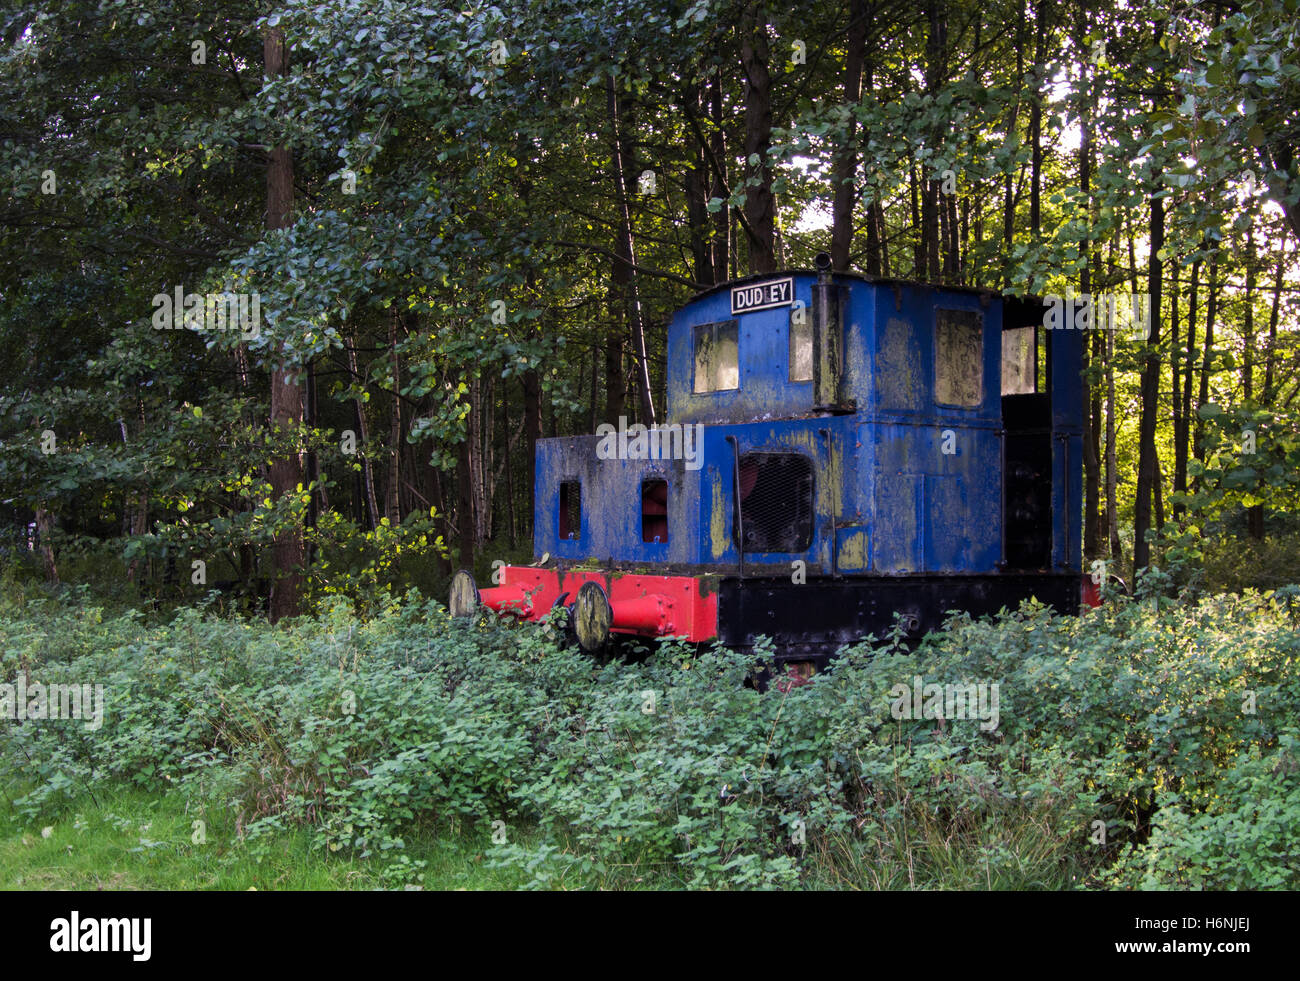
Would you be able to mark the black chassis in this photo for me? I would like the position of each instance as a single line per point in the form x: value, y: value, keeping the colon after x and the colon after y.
x: 811, y: 621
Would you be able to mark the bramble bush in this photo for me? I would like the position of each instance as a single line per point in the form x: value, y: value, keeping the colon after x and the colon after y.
x: 1148, y: 744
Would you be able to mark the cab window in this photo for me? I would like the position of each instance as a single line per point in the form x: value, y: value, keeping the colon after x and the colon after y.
x: 801, y: 345
x: 717, y: 357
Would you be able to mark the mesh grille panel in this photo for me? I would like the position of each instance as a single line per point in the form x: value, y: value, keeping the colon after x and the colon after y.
x: 776, y: 502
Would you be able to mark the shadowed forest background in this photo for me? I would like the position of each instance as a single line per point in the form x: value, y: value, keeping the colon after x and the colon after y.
x: 468, y: 228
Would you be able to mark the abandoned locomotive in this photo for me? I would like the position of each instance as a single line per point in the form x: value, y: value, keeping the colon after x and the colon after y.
x: 868, y: 449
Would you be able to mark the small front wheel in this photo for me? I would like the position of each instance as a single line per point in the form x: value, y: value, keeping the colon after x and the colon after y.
x: 463, y: 600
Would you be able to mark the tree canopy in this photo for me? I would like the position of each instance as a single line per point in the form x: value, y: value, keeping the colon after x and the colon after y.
x: 468, y: 225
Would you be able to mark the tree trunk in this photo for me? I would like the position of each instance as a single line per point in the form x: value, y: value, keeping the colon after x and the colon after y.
x: 1203, y: 395
x: 964, y: 256
x: 465, y: 501
x: 369, y: 501
x: 468, y: 478
x: 1254, y: 513
x: 952, y: 261
x: 760, y: 202
x: 873, y: 241
x: 1183, y: 426
x: 286, y: 472
x: 394, y: 506
x: 1175, y: 367
x: 1248, y: 320
x: 44, y: 542
x: 1158, y: 492
x: 930, y: 230
x: 624, y: 273
x: 1271, y: 353
x: 846, y: 161
x: 135, y: 507
x: 318, y: 497
x: 722, y: 218
x: 1150, y: 396
x: 1091, y: 434
x: 936, y: 48
x: 697, y: 195
x: 139, y: 525
x: 1008, y: 196
x: 883, y: 233
x: 1092, y: 530
x: 484, y: 473
x: 445, y: 565
x: 918, y: 229
x: 1112, y: 465
x: 1036, y: 119
x: 533, y: 425
x: 506, y: 456
x: 615, y: 383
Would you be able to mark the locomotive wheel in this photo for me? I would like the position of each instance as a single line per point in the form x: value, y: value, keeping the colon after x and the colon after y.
x: 592, y: 617
x: 464, y: 599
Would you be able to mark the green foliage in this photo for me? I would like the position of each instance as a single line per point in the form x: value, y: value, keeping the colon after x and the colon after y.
x: 1235, y: 562
x: 1240, y: 109
x: 1172, y: 726
x: 1245, y: 838
x: 370, y: 566
x: 1252, y: 458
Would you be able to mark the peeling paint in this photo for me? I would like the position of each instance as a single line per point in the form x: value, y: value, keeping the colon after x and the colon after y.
x: 899, y: 373
x: 853, y: 550
x: 717, y: 518
x: 830, y: 496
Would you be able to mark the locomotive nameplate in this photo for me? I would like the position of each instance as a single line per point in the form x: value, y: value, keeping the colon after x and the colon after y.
x: 762, y: 296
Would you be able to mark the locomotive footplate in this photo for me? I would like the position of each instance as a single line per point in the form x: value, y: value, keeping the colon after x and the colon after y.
x: 811, y: 621
x: 602, y: 602
x: 807, y: 622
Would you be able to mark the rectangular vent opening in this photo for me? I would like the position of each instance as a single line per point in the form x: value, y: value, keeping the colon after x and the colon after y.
x: 570, y: 510
x: 654, y: 511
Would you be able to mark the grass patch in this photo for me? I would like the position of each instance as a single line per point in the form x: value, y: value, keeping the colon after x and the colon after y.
x: 133, y: 839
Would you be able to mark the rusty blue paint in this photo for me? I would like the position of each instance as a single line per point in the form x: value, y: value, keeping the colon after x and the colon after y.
x: 888, y: 499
